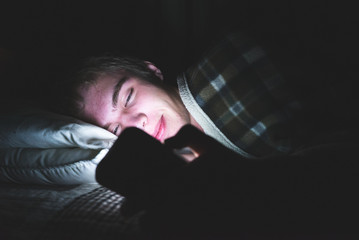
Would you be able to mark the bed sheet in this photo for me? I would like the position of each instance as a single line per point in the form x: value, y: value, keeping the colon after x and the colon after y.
x: 87, y: 211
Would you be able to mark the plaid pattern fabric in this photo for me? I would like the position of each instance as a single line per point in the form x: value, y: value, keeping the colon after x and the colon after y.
x: 239, y: 89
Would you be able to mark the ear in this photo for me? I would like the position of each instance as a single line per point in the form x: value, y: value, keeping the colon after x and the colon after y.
x: 157, y: 72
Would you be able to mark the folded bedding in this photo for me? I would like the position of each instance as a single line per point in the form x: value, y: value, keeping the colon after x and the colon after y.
x: 47, y: 148
x: 47, y: 179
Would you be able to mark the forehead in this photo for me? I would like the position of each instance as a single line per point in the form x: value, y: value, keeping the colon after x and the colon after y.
x: 98, y: 88
x: 96, y: 99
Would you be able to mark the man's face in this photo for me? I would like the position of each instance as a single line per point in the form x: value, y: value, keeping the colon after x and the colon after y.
x: 117, y: 102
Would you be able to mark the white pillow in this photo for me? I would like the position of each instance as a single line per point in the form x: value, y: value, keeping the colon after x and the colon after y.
x: 47, y: 148
x: 40, y: 129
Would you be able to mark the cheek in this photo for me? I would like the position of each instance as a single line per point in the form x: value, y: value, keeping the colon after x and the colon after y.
x: 176, y: 119
x: 158, y: 103
x: 152, y: 102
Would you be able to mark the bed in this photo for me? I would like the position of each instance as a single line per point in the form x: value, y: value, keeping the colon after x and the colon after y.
x: 47, y: 181
x: 48, y: 189
x: 85, y: 211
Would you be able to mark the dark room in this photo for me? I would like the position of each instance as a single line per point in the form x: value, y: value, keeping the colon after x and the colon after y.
x: 179, y: 119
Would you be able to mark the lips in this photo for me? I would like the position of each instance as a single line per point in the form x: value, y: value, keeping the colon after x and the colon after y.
x: 160, y: 129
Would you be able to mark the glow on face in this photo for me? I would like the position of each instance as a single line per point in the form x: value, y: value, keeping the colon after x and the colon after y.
x: 117, y: 102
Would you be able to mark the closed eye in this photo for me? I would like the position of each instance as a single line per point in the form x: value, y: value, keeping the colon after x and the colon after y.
x: 116, y: 130
x: 117, y: 89
x: 129, y: 97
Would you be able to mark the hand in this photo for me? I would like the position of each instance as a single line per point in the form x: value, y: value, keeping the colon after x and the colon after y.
x: 210, y: 184
x: 200, y: 143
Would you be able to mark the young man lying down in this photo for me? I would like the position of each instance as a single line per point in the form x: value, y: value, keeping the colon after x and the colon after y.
x: 234, y: 95
x: 238, y: 116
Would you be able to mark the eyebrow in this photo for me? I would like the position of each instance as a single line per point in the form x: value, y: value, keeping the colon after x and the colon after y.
x: 117, y: 89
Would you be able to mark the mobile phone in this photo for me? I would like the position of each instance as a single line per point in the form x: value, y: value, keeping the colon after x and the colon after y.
x: 139, y: 166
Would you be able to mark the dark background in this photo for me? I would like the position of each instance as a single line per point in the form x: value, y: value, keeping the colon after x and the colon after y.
x: 313, y: 43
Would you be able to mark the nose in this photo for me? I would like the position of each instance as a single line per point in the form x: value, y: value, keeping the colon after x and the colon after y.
x: 138, y: 120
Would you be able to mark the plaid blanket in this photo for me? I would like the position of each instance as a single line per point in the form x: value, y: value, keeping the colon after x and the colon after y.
x: 238, y: 89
